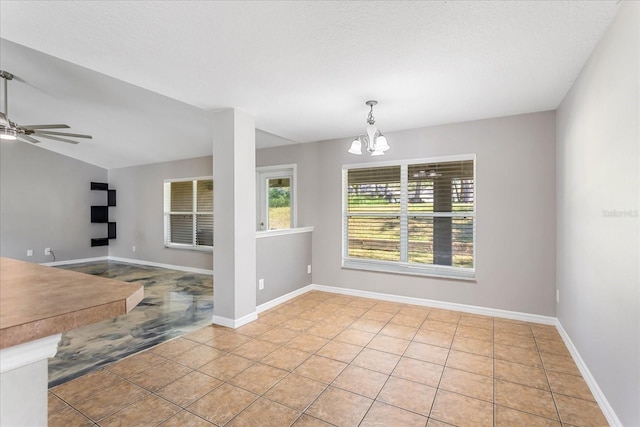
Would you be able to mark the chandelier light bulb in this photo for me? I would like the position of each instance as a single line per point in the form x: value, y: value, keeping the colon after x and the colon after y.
x: 374, y: 142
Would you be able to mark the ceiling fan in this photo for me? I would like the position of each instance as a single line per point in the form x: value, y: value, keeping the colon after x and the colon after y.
x: 12, y: 131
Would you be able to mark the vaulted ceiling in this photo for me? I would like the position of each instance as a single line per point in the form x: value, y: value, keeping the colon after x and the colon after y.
x: 143, y: 76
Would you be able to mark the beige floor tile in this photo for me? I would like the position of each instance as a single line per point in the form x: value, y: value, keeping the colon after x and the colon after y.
x: 255, y: 349
x: 468, y: 345
x: 296, y: 392
x: 527, y: 399
x: 228, y: 342
x: 222, y: 404
x: 298, y: 324
x: 254, y: 329
x: 570, y: 385
x: 258, y: 378
x: 377, y: 315
x: 408, y: 319
x: 265, y: 413
x: 352, y: 311
x: 307, y: 343
x: 320, y: 369
x: 186, y: 419
x: 507, y: 417
x: 363, y: 302
x: 441, y: 339
x: 173, y: 348
x: 546, y: 332
x: 388, y: 307
x: 313, y: 315
x: 438, y: 326
x: 388, y: 344
x: 376, y: 360
x: 339, y: 351
x: 522, y: 341
x: 436, y: 423
x: 340, y: 299
x: 408, y: 395
x: 470, y: 362
x: 579, y: 412
x: 339, y: 320
x: 279, y: 335
x: 324, y: 330
x: 111, y: 400
x: 272, y: 318
x: 467, y: 383
x: 461, y: 410
x: 472, y: 332
x: 444, y: 315
x: 226, y: 366
x: 367, y: 325
x: 206, y: 334
x: 286, y: 358
x: 355, y: 337
x: 198, y: 356
x: 361, y: 381
x: 308, y: 421
x: 517, y: 355
x: 418, y: 371
x: 151, y: 410
x: 86, y: 385
x: 383, y: 415
x: 135, y: 364
x: 552, y: 346
x: 158, y: 377
x: 427, y: 353
x: 511, y: 328
x: 68, y: 417
x: 477, y: 321
x: 398, y: 331
x: 329, y: 307
x: 521, y: 374
x: 340, y: 407
x: 54, y: 403
x: 559, y: 363
x: 188, y: 389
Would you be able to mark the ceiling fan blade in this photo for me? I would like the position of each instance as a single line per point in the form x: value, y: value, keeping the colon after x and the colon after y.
x: 55, y: 138
x: 27, y: 138
x: 46, y: 132
x: 34, y: 127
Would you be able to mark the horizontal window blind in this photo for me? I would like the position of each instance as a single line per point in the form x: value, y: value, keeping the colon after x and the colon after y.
x: 414, y: 214
x: 188, y: 207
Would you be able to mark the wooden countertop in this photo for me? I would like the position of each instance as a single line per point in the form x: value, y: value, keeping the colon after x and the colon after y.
x: 38, y: 301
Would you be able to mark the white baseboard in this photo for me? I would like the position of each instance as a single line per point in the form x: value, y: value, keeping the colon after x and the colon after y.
x: 161, y: 265
x: 284, y: 298
x: 75, y: 261
x: 494, y: 312
x: 607, y: 410
x: 234, y: 323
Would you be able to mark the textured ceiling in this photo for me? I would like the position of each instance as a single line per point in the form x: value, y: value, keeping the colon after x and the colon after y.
x: 302, y: 69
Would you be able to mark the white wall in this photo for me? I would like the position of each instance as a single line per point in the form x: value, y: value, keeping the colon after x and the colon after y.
x: 515, y: 262
x: 139, y: 213
x: 45, y: 202
x: 597, y: 173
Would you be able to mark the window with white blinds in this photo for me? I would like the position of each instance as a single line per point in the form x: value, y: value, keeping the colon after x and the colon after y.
x: 188, y: 213
x: 414, y: 217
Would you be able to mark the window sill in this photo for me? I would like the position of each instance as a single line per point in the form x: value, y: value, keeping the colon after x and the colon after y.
x: 282, y: 232
x: 190, y: 248
x: 441, y: 272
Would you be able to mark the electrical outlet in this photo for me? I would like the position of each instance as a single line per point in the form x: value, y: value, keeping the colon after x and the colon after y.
x: 133, y: 249
x: 309, y: 269
x: 261, y: 284
x: 558, y: 295
x: 29, y: 252
x: 47, y: 251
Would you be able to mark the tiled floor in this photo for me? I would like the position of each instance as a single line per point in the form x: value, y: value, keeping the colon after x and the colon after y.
x: 325, y: 359
x: 174, y: 303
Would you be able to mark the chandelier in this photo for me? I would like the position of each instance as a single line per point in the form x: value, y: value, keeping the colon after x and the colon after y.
x: 374, y: 141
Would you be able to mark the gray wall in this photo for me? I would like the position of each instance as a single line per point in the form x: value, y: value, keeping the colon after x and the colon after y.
x: 45, y: 202
x: 515, y: 263
x: 282, y: 262
x: 139, y: 213
x: 597, y: 172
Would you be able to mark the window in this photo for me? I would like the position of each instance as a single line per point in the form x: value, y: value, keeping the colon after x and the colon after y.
x: 276, y: 197
x: 188, y: 213
x: 414, y: 217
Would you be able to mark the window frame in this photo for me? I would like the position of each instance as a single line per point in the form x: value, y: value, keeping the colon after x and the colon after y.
x: 166, y: 213
x: 263, y: 174
x: 403, y: 266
